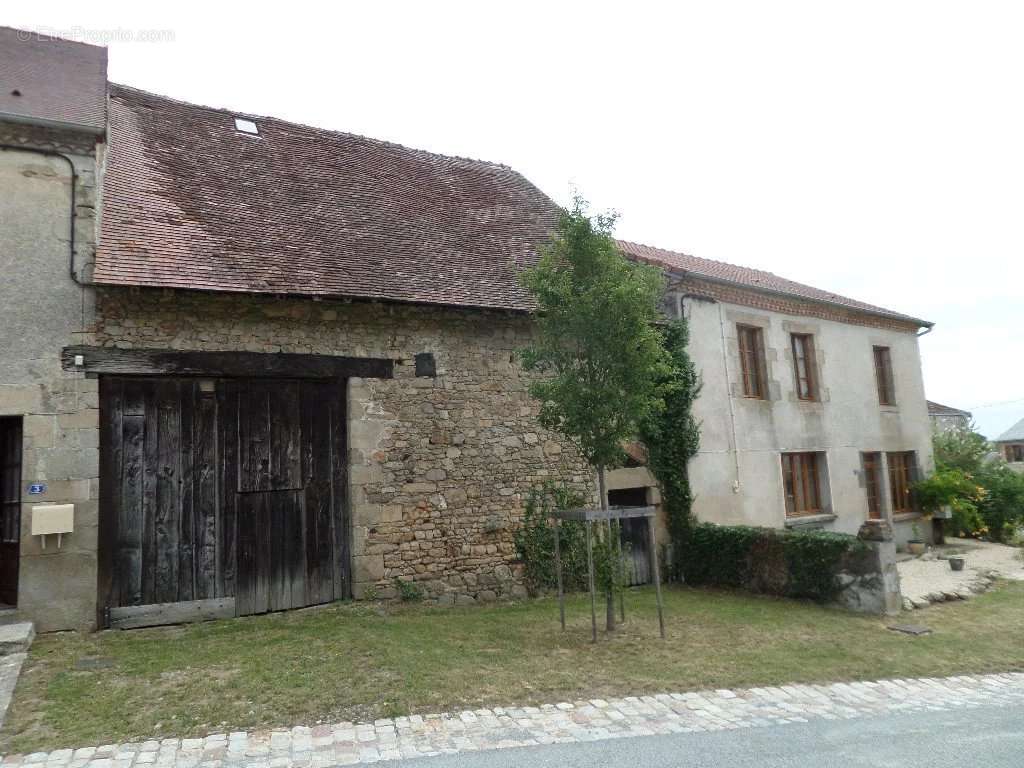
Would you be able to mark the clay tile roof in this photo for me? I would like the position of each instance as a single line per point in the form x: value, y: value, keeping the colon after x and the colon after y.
x: 938, y: 409
x: 755, y: 279
x: 191, y: 202
x: 1013, y: 434
x: 51, y: 81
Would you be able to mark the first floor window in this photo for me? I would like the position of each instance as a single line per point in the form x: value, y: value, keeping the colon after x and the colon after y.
x: 902, y: 474
x: 752, y: 361
x: 803, y: 366
x: 883, y: 376
x: 801, y: 480
x: 873, y: 484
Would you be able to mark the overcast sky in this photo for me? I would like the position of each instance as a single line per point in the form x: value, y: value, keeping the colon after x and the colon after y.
x: 872, y: 149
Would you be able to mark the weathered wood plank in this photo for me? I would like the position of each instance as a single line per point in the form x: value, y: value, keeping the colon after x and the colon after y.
x: 158, y: 614
x: 254, y: 438
x: 283, y: 402
x: 339, y: 491
x: 111, y: 470
x: 208, y: 578
x: 227, y: 493
x: 150, y: 467
x: 279, y: 588
x: 167, y: 362
x: 128, y: 557
x: 186, y: 523
x: 166, y: 507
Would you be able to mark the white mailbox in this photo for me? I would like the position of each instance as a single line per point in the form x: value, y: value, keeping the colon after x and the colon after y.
x: 52, y: 518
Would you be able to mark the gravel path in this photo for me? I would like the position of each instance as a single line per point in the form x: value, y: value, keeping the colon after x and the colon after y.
x: 930, y: 579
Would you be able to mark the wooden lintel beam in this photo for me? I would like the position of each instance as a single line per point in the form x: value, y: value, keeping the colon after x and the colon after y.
x: 168, y: 362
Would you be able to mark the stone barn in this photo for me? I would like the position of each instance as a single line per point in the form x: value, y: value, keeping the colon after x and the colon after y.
x: 251, y: 365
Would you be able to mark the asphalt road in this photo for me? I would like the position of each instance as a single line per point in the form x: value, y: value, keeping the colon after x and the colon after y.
x: 986, y: 737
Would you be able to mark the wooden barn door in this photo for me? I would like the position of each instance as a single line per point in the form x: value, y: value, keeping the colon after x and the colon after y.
x: 221, y: 497
x: 292, y: 542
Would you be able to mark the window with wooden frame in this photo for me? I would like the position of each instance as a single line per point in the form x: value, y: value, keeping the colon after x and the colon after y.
x: 801, y: 480
x: 1015, y: 453
x: 902, y: 476
x: 872, y: 468
x: 803, y: 366
x: 752, y: 361
x: 883, y: 376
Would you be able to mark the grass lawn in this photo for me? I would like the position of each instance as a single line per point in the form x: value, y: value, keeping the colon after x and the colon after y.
x: 359, y: 661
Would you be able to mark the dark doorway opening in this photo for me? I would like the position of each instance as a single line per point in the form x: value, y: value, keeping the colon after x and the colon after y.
x: 636, y: 537
x: 10, y: 509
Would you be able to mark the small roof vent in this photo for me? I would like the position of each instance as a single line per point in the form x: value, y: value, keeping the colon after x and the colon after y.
x: 246, y: 126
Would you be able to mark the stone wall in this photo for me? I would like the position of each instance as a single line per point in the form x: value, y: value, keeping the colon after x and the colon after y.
x: 439, y: 467
x: 44, y: 309
x: 870, y: 581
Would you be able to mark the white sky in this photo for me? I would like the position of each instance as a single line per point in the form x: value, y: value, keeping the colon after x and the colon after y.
x: 874, y: 149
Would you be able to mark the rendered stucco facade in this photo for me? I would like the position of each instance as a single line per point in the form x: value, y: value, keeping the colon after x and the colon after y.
x: 737, y: 474
x: 44, y: 309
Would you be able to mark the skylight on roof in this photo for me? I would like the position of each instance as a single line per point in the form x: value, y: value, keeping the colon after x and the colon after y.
x: 246, y: 126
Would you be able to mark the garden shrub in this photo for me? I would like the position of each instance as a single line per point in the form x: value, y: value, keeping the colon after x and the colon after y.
x: 535, y: 540
x: 768, y: 561
x: 1002, y: 507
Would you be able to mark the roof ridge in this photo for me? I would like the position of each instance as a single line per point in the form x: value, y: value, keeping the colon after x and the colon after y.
x: 46, y: 37
x: 334, y: 131
x: 702, y: 258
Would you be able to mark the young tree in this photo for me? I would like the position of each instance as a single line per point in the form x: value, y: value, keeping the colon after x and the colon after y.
x: 597, y: 342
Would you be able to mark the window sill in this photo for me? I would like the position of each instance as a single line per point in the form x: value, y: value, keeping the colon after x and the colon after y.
x: 799, y: 522
x: 889, y: 408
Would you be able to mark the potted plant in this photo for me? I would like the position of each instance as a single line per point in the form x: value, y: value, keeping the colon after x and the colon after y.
x: 916, y: 545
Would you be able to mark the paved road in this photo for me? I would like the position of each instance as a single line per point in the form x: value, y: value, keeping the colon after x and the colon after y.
x: 989, y: 736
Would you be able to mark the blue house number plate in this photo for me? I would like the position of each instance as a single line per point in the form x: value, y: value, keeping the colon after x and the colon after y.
x: 36, y: 488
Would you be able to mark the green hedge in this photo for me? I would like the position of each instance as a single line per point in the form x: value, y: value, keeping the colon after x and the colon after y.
x: 769, y: 561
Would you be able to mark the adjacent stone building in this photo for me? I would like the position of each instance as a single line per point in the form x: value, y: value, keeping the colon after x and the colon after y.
x: 945, y: 418
x: 1010, y: 445
x: 278, y: 366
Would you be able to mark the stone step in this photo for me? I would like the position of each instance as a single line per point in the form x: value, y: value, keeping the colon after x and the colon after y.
x: 16, y: 638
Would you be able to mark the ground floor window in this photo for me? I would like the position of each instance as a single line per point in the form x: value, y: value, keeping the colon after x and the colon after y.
x: 1015, y: 453
x: 801, y: 478
x: 902, y: 474
x: 872, y: 463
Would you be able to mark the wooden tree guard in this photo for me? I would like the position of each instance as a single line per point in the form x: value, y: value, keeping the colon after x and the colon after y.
x: 588, y: 517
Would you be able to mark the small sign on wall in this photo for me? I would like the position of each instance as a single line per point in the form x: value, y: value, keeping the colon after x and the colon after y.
x: 36, y: 489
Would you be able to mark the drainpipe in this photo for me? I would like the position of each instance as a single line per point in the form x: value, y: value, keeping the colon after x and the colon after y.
x: 732, y: 408
x: 74, y: 184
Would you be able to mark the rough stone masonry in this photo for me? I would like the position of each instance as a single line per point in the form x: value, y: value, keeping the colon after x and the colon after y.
x: 439, y: 466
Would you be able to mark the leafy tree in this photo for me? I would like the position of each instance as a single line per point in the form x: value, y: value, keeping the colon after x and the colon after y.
x: 962, y: 448
x: 597, y: 343
x: 986, y: 496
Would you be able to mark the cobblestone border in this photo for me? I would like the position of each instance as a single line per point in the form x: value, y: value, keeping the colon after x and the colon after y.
x: 422, y: 736
x: 10, y: 668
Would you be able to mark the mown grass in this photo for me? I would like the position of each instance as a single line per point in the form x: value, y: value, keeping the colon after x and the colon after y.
x: 359, y: 661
